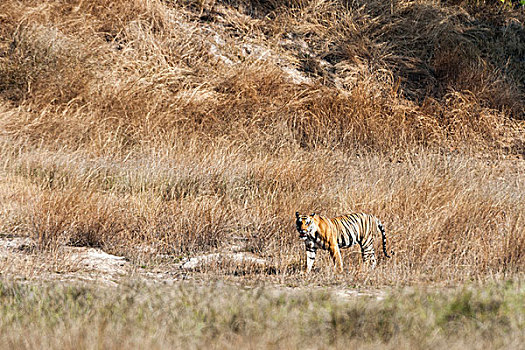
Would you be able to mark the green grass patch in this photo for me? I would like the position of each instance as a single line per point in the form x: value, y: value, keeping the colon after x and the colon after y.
x: 194, y: 315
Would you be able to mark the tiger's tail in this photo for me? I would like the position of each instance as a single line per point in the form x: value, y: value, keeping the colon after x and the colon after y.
x: 382, y: 229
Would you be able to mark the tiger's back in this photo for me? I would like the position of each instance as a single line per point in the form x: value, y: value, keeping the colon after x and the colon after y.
x: 354, y: 228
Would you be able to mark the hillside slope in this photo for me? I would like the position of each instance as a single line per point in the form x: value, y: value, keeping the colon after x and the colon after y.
x: 434, y: 73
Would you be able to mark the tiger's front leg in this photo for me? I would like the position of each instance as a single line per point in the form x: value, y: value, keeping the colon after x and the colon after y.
x: 336, y: 257
x: 310, y: 255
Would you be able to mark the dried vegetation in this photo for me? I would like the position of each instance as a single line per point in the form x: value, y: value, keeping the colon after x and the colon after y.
x: 194, y: 316
x: 173, y: 128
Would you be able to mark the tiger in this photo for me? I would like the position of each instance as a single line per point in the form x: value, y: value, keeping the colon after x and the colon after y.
x: 344, y: 231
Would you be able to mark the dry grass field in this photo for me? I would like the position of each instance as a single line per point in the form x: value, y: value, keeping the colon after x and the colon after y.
x: 161, y: 131
x: 219, y: 316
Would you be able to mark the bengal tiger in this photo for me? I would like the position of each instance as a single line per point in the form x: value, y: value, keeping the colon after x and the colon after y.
x: 333, y: 234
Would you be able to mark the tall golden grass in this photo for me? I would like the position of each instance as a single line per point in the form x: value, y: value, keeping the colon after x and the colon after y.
x: 176, y: 127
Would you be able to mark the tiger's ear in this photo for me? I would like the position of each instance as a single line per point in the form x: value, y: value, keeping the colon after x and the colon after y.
x: 313, y: 214
x: 297, y: 214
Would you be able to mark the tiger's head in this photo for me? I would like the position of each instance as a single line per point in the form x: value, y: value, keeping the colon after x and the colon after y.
x: 306, y: 225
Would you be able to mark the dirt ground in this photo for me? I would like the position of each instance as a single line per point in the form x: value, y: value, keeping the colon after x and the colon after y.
x: 21, y: 260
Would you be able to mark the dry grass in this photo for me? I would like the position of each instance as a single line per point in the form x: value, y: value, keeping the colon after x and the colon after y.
x: 193, y: 316
x: 181, y: 127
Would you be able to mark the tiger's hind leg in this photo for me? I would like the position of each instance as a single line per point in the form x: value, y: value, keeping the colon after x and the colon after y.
x: 369, y: 256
